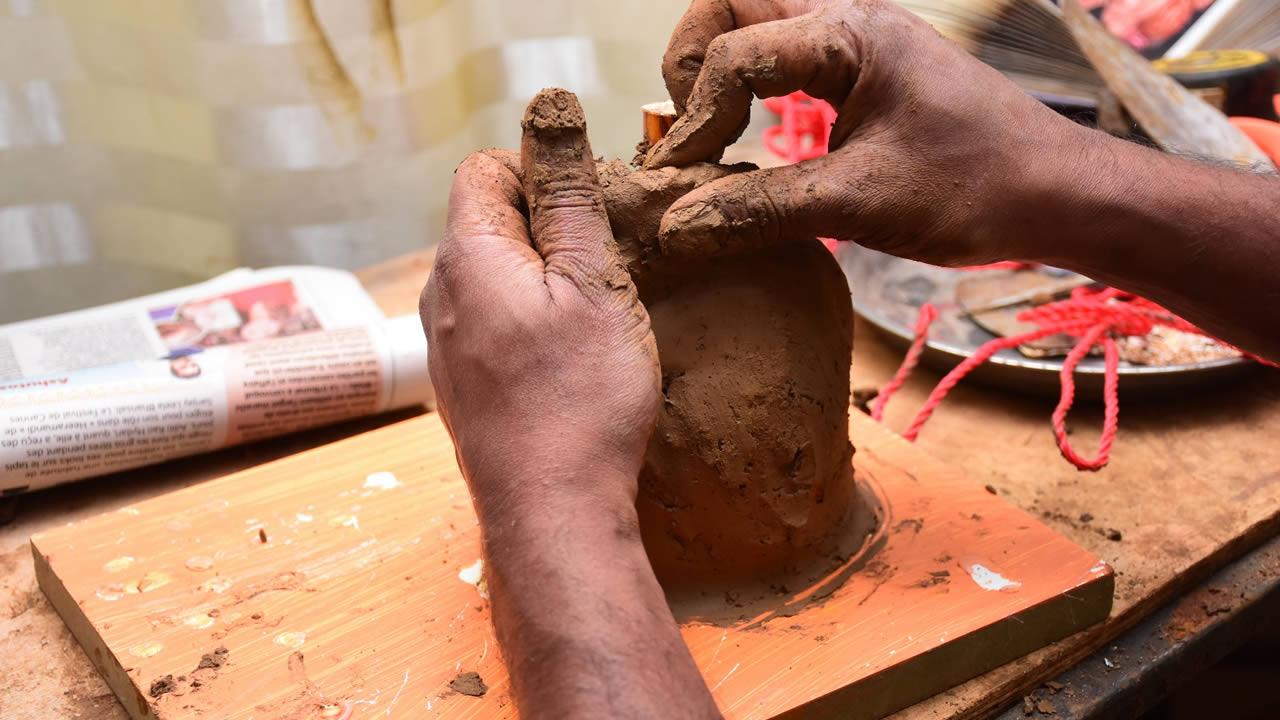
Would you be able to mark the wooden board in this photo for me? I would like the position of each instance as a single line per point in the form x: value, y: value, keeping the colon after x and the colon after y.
x: 335, y: 587
x: 1193, y: 484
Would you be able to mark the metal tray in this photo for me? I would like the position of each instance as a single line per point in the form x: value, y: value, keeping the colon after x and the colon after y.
x: 888, y: 292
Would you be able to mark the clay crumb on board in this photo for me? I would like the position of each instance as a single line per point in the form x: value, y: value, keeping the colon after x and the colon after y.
x: 161, y: 686
x: 469, y: 683
x: 213, y: 660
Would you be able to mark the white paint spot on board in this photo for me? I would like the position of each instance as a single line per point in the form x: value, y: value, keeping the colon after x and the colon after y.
x: 350, y: 521
x: 217, y: 585
x: 382, y: 481
x: 117, y: 564
x: 111, y: 592
x: 474, y: 575
x: 199, y: 563
x: 152, y: 581
x: 293, y: 640
x: 146, y: 649
x: 989, y: 579
x: 198, y: 621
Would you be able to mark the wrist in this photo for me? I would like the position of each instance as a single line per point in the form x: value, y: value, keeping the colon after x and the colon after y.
x: 537, y: 497
x: 546, y: 543
x: 1100, y: 205
x: 1063, y: 181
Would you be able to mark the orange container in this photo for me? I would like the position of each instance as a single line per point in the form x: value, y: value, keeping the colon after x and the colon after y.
x: 1264, y: 133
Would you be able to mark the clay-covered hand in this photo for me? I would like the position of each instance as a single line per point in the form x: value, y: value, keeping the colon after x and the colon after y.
x: 544, y: 365
x: 935, y: 155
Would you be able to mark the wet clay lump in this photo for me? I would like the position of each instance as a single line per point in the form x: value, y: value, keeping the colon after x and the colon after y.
x: 748, y: 474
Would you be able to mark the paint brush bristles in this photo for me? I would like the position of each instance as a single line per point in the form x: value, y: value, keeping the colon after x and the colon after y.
x: 1024, y: 39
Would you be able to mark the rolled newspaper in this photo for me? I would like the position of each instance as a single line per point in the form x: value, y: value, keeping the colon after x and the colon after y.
x: 248, y: 355
x: 95, y: 421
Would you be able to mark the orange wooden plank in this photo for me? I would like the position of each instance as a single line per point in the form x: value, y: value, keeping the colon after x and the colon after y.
x: 354, y: 600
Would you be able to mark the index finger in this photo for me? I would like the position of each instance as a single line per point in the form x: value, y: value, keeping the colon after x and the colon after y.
x: 704, y: 21
x: 486, y: 225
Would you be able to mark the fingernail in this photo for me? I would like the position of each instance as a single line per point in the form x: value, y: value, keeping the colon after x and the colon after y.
x: 657, y: 155
x: 554, y: 109
x: 700, y: 230
x: 660, y: 154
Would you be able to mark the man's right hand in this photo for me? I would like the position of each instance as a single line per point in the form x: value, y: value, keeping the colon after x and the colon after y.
x: 935, y: 156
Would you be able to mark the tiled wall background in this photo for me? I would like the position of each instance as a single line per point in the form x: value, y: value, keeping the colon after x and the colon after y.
x: 199, y: 135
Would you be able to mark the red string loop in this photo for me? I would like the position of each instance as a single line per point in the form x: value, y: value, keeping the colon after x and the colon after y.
x: 927, y: 315
x: 1095, y: 316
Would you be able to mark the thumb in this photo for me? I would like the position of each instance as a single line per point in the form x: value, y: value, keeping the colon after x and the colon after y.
x: 817, y: 53
x: 757, y: 209
x: 567, y: 216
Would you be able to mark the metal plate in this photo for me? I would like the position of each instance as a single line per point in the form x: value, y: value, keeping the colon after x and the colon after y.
x: 889, y: 291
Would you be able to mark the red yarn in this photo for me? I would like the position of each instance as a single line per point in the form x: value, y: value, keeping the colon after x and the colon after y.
x: 1093, y: 316
x: 927, y: 315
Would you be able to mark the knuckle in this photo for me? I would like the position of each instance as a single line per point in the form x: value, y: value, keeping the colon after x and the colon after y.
x: 443, y: 267
x: 764, y: 210
x: 720, y: 51
x: 570, y: 190
x: 476, y: 159
x: 430, y: 303
x: 673, y: 60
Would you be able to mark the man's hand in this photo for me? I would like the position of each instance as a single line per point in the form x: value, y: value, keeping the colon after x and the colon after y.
x: 937, y: 157
x: 546, y: 374
x: 540, y: 351
x: 929, y: 147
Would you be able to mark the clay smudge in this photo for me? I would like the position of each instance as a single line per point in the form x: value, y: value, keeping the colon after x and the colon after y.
x: 469, y: 683
x: 163, y: 686
x: 214, y: 660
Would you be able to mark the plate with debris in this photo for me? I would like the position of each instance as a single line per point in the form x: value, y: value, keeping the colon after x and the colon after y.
x: 976, y: 306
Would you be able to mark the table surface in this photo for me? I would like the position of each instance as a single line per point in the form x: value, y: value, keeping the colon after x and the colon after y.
x: 1190, y: 489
